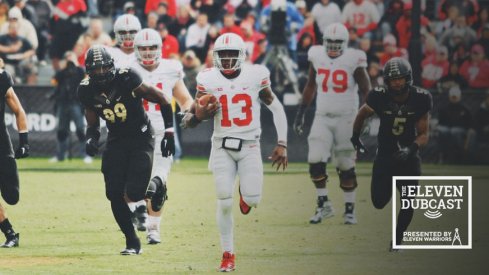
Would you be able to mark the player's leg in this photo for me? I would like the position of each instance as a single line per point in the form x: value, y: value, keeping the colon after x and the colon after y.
x: 320, y: 141
x: 381, y: 186
x: 160, y: 171
x: 345, y: 165
x: 114, y: 167
x: 9, y: 187
x: 63, y: 114
x: 224, y: 169
x: 411, y: 168
x: 250, y: 171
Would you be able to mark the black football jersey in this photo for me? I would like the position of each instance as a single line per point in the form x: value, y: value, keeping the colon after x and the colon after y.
x: 116, y: 103
x: 5, y: 84
x: 398, y: 120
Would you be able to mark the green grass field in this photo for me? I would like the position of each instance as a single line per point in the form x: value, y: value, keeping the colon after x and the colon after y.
x: 66, y: 227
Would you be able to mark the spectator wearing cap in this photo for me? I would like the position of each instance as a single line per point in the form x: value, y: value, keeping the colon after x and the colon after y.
x: 229, y: 25
x: 435, y: 67
x: 191, y: 67
x: 460, y: 33
x: 129, y: 8
x: 454, y: 121
x: 391, y: 50
x: 403, y: 25
x: 196, y: 36
x: 170, y: 46
x: 152, y: 5
x: 28, y: 11
x: 302, y: 8
x: 24, y: 27
x: 325, y: 13
x: 251, y: 38
x: 476, y: 69
x: 361, y: 15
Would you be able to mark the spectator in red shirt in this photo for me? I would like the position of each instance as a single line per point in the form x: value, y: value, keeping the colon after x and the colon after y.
x: 476, y: 69
x: 229, y: 25
x: 403, y: 25
x: 435, y: 67
x: 152, y: 5
x: 391, y: 50
x: 170, y: 47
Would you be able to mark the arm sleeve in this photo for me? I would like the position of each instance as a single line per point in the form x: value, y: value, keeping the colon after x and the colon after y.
x: 279, y: 119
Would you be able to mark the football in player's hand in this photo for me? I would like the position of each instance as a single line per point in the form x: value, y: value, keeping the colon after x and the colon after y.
x: 207, y: 99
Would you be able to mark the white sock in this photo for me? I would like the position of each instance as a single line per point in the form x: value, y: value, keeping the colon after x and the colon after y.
x: 225, y: 223
x: 350, y: 196
x: 132, y: 206
x: 141, y: 202
x: 322, y: 192
x: 153, y: 222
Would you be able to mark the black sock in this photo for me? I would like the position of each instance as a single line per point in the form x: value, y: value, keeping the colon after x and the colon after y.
x: 122, y: 216
x: 322, y: 200
x: 349, y: 207
x: 6, y: 228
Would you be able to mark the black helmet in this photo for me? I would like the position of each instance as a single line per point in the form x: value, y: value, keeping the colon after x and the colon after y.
x: 397, y: 68
x: 100, y: 65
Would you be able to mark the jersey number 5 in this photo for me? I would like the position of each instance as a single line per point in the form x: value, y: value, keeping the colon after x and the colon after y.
x: 398, y: 126
x: 246, y: 109
x: 339, y: 78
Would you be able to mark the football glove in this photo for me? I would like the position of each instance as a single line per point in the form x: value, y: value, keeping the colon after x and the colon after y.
x: 405, y: 153
x: 357, y: 143
x: 168, y: 144
x: 23, y: 149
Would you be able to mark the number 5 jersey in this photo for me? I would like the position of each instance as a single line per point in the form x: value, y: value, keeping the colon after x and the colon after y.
x: 239, y: 115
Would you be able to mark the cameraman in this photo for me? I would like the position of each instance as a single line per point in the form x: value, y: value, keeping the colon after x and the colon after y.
x: 67, y: 106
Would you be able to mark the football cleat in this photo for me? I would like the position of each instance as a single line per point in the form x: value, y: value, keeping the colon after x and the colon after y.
x: 159, y: 197
x: 131, y: 251
x: 350, y: 218
x: 323, y: 211
x: 243, y: 207
x: 12, y: 241
x: 139, y: 218
x: 153, y: 235
x: 227, y: 263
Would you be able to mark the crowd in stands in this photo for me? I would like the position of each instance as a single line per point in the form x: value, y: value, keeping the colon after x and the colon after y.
x: 454, y: 34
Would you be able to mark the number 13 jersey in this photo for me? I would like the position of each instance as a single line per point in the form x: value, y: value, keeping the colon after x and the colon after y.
x: 239, y: 115
x: 337, y: 91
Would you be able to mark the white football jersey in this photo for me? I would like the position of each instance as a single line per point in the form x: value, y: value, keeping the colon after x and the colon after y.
x: 337, y: 90
x: 164, y: 77
x: 239, y: 115
x: 121, y: 59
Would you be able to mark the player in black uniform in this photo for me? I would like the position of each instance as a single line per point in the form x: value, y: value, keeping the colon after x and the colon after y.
x: 403, y: 110
x: 9, y: 179
x: 114, y: 94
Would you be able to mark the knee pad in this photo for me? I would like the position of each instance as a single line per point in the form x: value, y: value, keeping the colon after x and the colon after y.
x: 348, y: 179
x: 317, y: 171
x: 225, y: 205
x: 62, y: 135
x: 252, y: 201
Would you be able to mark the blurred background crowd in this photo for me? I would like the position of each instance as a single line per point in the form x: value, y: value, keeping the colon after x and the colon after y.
x: 36, y: 34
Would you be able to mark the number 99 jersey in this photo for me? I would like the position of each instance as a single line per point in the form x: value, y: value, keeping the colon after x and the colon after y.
x: 337, y: 90
x: 239, y: 115
x: 116, y: 103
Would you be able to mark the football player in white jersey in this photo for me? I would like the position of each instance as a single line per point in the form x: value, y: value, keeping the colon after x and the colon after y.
x: 240, y: 89
x: 336, y: 74
x: 126, y: 27
x: 167, y: 75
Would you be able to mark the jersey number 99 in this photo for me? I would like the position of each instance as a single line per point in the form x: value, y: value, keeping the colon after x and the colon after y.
x: 119, y: 112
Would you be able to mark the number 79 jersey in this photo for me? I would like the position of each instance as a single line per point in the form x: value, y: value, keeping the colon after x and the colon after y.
x: 337, y: 90
x: 239, y: 115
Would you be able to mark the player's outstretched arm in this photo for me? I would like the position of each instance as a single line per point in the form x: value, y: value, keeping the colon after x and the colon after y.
x: 14, y: 104
x: 279, y: 153
x: 307, y: 98
x: 182, y: 96
x: 364, y: 113
x: 363, y: 81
